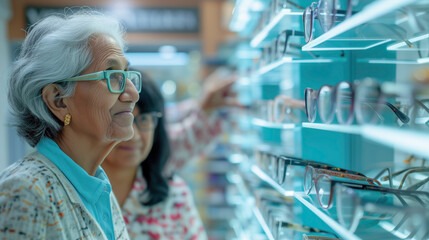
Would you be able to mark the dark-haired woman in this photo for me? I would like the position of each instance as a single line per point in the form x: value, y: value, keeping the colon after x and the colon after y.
x: 156, y: 203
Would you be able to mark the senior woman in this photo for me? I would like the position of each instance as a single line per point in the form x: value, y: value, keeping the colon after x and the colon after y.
x: 73, y: 97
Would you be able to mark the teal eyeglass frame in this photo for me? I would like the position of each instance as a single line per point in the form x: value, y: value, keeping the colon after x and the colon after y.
x: 106, y: 75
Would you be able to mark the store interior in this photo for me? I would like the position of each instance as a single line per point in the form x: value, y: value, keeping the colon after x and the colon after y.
x: 333, y: 135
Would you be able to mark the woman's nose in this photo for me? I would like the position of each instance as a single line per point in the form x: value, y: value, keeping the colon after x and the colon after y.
x: 130, y: 93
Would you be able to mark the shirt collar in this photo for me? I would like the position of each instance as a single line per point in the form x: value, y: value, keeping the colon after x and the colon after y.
x: 89, y: 187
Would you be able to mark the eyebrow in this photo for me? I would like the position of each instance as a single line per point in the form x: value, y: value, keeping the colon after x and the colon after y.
x: 114, y: 62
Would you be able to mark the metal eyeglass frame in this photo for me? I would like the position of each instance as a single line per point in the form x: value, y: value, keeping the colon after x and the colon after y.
x: 286, y: 110
x: 312, y: 12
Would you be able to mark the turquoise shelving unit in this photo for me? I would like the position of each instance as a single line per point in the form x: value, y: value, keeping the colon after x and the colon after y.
x: 362, y: 46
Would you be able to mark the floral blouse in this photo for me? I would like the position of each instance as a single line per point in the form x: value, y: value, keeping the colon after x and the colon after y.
x: 175, y: 218
x: 37, y: 201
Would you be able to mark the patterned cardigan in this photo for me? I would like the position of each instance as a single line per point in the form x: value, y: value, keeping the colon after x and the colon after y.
x: 37, y: 201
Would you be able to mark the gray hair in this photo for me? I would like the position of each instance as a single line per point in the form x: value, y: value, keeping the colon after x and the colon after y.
x: 56, y: 48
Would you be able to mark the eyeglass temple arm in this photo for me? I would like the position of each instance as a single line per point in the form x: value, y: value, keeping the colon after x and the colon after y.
x: 87, y: 77
x: 416, y: 186
x: 422, y: 105
x: 418, y: 170
x: 397, y: 192
x: 389, y: 175
x: 402, y: 116
x: 399, y: 173
x: 349, y: 176
x: 295, y: 4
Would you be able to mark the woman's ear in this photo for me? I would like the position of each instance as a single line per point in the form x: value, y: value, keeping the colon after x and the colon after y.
x: 51, y: 95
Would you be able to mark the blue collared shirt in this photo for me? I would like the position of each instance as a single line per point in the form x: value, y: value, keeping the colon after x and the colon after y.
x: 93, y: 190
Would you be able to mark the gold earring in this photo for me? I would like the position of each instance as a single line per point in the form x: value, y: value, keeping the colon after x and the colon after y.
x: 67, y: 119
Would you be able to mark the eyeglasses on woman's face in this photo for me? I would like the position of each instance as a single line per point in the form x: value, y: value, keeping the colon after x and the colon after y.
x: 116, y: 79
x: 147, y: 121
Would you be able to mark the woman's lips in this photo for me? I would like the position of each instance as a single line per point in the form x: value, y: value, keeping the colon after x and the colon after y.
x: 124, y: 112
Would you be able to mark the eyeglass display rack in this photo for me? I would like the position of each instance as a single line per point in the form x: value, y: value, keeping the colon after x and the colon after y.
x: 306, y: 201
x: 342, y: 37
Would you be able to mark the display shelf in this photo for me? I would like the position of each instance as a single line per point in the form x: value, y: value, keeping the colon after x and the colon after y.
x: 350, y: 129
x: 263, y: 123
x: 351, y: 34
x: 417, y: 141
x: 343, y: 232
x: 262, y: 222
x: 279, y: 64
x: 394, y: 61
x: 264, y: 177
x: 285, y: 19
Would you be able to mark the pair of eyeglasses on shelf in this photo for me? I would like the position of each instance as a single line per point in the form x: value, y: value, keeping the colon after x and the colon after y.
x: 416, y: 22
x: 282, y: 46
x: 327, y: 13
x: 311, y: 173
x: 363, y: 99
x: 277, y: 165
x: 418, y: 112
x: 282, y: 43
x: 281, y: 225
x: 116, y: 79
x: 354, y: 211
x: 147, y: 121
x: 286, y: 108
x: 316, y: 237
x: 282, y: 109
x: 325, y: 185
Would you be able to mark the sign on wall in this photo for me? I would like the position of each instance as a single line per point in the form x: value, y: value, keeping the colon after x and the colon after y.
x: 136, y: 19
